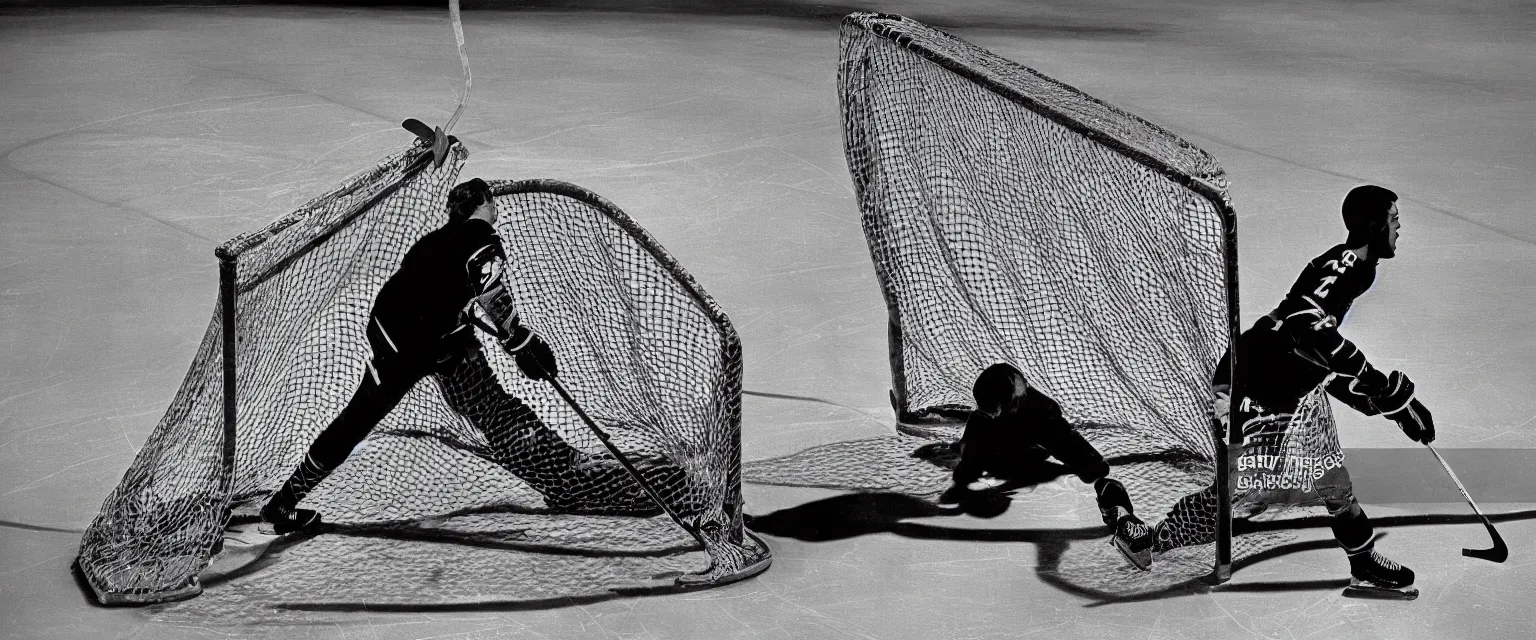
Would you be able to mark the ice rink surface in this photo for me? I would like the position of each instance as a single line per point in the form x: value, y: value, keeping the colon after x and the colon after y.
x: 137, y: 139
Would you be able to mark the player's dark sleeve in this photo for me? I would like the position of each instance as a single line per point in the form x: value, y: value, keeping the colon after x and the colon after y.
x: 493, y: 310
x: 1397, y: 403
x: 971, y: 447
x: 1317, y: 339
x: 1340, y: 389
x: 1307, y: 321
x: 1356, y: 382
x: 1056, y: 435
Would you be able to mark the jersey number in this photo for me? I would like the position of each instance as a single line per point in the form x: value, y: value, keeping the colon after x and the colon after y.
x: 1322, y: 289
x: 1336, y: 267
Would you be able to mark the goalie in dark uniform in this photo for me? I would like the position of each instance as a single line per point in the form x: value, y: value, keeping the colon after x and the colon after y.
x: 1008, y: 437
x: 423, y: 324
x: 1286, y: 356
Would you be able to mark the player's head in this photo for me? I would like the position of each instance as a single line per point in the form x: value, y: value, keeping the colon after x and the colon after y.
x: 1370, y: 214
x: 468, y: 197
x: 999, y: 388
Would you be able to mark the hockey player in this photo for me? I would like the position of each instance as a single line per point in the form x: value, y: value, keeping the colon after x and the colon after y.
x: 422, y: 324
x: 1286, y: 355
x: 1010, y: 434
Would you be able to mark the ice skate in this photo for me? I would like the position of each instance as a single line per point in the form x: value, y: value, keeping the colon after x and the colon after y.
x: 281, y: 519
x: 1372, y: 575
x: 1132, y: 537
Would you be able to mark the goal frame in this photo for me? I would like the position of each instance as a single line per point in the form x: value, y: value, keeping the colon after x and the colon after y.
x: 736, y: 553
x: 900, y: 31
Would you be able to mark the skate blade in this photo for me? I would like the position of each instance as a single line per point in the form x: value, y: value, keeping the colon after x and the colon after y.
x: 1142, y: 562
x: 1380, y: 593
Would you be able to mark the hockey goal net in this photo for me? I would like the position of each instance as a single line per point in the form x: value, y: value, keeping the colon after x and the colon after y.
x: 645, y: 351
x: 1013, y: 218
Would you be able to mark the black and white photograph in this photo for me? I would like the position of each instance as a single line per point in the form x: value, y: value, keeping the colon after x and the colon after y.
x: 713, y: 319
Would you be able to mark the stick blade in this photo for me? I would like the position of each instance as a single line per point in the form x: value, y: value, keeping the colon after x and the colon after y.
x: 419, y: 128
x: 1499, y: 552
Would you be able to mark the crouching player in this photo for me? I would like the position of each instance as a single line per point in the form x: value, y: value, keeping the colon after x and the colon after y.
x: 1012, y: 431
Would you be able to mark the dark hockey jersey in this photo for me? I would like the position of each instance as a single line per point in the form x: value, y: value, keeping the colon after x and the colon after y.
x: 1287, y: 353
x: 1002, y: 445
x: 423, y: 302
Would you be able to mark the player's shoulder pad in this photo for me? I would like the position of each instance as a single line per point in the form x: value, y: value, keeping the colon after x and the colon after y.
x: 486, y: 256
x: 1339, y: 259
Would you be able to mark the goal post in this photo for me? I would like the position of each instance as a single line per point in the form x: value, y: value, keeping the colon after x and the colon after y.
x: 1011, y: 217
x: 643, y: 348
x: 640, y: 345
x: 158, y: 528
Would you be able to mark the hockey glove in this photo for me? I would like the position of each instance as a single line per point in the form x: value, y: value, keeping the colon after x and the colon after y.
x: 535, y: 358
x: 1396, y: 401
x: 1415, y: 421
x: 1391, y: 396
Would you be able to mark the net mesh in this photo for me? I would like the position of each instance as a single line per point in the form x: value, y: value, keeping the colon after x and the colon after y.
x: 1012, y: 218
x: 891, y: 487
x: 474, y: 458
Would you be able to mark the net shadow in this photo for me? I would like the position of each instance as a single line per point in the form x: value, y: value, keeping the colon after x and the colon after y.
x: 889, y: 488
x: 491, y: 560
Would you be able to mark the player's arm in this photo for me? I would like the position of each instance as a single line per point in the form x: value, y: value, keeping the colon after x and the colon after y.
x: 494, y: 311
x: 969, y: 469
x: 1356, y: 382
x: 1396, y: 402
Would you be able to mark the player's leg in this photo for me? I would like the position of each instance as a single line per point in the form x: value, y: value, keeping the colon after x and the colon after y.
x: 1131, y: 536
x: 1192, y: 520
x: 1371, y: 574
x: 570, y: 479
x: 381, y: 389
x: 1071, y: 448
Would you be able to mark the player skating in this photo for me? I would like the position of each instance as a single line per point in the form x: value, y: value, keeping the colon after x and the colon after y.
x: 1286, y: 356
x: 422, y: 324
x: 1012, y: 431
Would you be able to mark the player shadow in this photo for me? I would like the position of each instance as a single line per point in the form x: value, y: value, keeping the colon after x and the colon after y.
x: 272, y: 589
x: 868, y: 512
x: 852, y: 515
x: 888, y: 484
x: 1050, y: 558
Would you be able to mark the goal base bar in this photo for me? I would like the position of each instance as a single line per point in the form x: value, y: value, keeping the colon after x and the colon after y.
x: 110, y: 598
x: 945, y: 422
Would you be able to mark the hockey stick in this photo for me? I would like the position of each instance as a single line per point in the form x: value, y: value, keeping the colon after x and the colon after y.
x: 1499, y: 552
x: 623, y: 460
